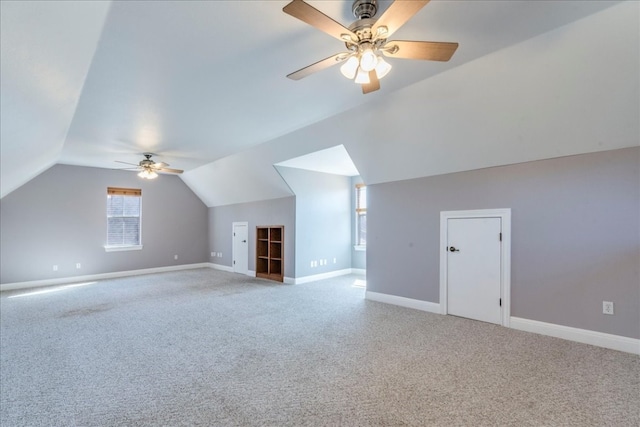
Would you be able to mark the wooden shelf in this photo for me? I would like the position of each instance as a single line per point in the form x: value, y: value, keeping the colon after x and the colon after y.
x: 269, y: 252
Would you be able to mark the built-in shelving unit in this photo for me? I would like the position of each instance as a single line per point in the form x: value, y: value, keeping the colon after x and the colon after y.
x: 270, y: 252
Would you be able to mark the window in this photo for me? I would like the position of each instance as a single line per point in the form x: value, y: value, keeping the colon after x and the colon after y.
x: 124, y: 209
x: 361, y: 216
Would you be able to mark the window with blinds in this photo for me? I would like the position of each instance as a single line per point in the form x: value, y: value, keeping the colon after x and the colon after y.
x: 124, y: 214
x: 361, y: 215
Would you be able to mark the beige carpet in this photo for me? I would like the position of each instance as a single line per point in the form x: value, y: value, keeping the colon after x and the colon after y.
x: 209, y: 348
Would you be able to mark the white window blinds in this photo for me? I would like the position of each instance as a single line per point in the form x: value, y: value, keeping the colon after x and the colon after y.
x: 361, y: 215
x: 124, y: 206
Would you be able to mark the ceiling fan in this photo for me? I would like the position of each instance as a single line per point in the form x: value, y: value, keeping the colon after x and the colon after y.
x: 367, y: 38
x: 149, y: 169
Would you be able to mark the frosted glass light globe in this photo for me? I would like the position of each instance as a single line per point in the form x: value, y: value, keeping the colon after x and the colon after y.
x: 362, y: 77
x: 368, y: 60
x: 382, y: 68
x: 349, y: 68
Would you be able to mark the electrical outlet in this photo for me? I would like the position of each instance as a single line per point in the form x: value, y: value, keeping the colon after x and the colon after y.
x: 335, y: 260
x: 607, y: 307
x: 78, y: 266
x: 219, y: 254
x: 175, y: 257
x: 213, y: 254
x: 55, y: 268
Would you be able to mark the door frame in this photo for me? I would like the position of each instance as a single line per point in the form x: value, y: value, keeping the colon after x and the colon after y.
x: 234, y: 249
x: 505, y: 255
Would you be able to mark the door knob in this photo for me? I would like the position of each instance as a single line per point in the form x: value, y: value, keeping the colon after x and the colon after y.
x: 244, y: 241
x: 452, y: 249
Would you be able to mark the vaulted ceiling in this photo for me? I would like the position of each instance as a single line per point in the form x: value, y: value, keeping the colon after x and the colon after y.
x: 202, y: 85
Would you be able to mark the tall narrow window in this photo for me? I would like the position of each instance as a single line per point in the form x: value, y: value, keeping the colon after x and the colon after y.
x: 124, y: 214
x: 361, y: 216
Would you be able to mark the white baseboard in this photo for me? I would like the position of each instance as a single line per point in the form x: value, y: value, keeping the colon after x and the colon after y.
x: 600, y: 339
x: 315, y: 277
x: 229, y: 269
x: 299, y: 280
x: 431, y: 307
x: 221, y: 267
x: 100, y: 276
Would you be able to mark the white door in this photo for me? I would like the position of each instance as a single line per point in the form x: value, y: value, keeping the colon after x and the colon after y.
x: 240, y: 247
x: 474, y: 268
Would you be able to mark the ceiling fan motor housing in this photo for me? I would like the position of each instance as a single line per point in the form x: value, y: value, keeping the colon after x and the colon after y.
x: 362, y: 28
x: 363, y: 9
x: 147, y: 162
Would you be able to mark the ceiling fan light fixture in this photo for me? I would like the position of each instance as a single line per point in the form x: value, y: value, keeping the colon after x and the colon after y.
x: 382, y: 68
x: 366, y: 40
x: 362, y: 77
x: 368, y: 60
x: 350, y: 68
x: 148, y: 174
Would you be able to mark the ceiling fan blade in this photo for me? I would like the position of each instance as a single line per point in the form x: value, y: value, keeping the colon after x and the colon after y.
x: 312, y: 16
x: 169, y: 170
x: 318, y: 66
x: 159, y: 165
x: 397, y: 14
x: 373, y: 85
x: 126, y: 163
x: 431, y: 51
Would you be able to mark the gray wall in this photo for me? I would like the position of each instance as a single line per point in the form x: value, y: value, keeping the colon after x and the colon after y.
x: 323, y: 220
x: 358, y: 257
x: 575, y: 236
x: 59, y: 218
x: 269, y: 212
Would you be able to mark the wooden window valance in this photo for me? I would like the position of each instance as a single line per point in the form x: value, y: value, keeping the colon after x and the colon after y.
x: 115, y: 191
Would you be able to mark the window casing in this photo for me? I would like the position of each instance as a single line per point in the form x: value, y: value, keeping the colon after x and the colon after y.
x: 361, y: 216
x: 124, y: 219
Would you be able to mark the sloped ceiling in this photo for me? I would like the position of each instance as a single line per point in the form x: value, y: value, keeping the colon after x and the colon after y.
x: 202, y: 85
x: 47, y: 48
x: 334, y: 161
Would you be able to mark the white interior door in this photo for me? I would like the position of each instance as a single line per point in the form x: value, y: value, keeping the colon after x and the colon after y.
x: 240, y: 248
x: 474, y: 268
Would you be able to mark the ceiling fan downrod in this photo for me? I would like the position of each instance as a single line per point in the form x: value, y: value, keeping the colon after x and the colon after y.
x: 364, y: 9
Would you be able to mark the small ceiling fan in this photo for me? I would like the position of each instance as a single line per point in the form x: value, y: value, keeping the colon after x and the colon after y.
x: 149, y: 169
x: 367, y: 38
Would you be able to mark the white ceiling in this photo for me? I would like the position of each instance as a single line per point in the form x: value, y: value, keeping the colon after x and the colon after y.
x: 334, y: 160
x: 46, y: 51
x: 202, y: 85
